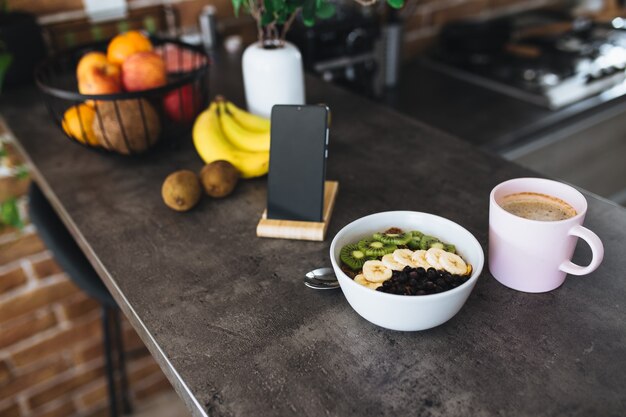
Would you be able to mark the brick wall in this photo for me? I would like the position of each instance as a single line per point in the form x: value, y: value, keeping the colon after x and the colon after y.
x: 423, y: 18
x: 65, y: 23
x: 51, y: 361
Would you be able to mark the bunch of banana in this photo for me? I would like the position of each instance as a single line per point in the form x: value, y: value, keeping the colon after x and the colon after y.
x: 226, y: 132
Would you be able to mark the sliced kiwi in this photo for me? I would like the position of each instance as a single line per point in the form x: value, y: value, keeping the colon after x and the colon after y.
x: 393, y: 238
x: 375, y: 248
x: 438, y: 245
x: 352, y: 257
x: 426, y: 242
x: 449, y: 248
x: 414, y: 243
x: 416, y: 233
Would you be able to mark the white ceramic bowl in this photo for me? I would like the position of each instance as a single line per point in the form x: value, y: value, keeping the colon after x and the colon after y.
x: 402, y: 312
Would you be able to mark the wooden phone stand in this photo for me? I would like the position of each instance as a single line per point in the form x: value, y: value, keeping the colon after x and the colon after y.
x: 299, y: 230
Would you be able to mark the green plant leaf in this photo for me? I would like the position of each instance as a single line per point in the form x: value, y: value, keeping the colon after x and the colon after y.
x: 10, y: 214
x: 291, y: 6
x: 325, y: 9
x: 279, y: 6
x: 266, y: 18
x: 271, y: 8
x: 308, y: 12
x: 281, y: 17
x: 236, y: 6
x: 396, y: 4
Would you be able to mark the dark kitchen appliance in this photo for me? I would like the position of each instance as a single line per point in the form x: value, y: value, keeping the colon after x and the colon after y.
x: 341, y: 49
x: 545, y: 58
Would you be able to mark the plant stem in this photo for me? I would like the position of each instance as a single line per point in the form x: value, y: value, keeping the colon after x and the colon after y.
x: 288, y: 24
x: 255, y: 12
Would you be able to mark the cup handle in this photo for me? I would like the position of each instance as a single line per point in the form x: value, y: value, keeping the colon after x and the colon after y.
x: 597, y: 252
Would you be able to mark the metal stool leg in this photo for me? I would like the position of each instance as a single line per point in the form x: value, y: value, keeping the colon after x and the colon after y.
x: 108, y: 357
x: 121, y: 363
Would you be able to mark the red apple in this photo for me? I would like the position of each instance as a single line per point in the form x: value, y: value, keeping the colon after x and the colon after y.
x: 182, y: 104
x: 97, y: 76
x: 142, y: 71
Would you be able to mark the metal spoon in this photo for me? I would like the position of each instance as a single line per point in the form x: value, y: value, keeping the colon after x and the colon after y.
x: 321, y: 279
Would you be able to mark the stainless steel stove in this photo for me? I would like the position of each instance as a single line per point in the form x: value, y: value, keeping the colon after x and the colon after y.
x: 546, y: 60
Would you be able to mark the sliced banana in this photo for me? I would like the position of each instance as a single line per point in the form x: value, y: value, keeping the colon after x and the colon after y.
x: 453, y: 263
x: 374, y: 285
x: 469, y: 269
x: 419, y: 258
x: 376, y: 271
x: 360, y: 279
x: 433, y: 256
x: 391, y: 263
x: 403, y: 256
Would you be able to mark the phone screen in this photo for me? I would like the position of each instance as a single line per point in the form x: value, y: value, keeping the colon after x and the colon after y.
x: 295, y: 188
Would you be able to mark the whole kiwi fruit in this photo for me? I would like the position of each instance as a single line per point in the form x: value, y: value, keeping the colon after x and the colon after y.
x: 219, y: 178
x: 181, y: 190
x: 126, y: 126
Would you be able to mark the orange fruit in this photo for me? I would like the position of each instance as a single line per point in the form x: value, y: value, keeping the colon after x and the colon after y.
x: 78, y: 123
x: 126, y: 44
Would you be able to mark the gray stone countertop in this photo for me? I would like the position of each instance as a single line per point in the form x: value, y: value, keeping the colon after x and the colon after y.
x: 238, y: 334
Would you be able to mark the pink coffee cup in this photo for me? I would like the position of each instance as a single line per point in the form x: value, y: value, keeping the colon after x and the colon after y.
x: 535, y: 256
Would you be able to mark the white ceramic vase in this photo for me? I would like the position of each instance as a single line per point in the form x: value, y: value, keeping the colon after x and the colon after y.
x: 272, y: 75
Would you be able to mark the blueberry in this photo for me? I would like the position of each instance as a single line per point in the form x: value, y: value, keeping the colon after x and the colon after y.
x: 413, y: 282
x: 413, y: 275
x: 431, y: 274
x: 440, y: 282
x: 402, y: 278
x: 386, y: 284
x: 420, y: 292
x: 421, y: 271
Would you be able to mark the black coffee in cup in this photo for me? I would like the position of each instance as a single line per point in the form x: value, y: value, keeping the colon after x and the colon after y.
x: 536, y: 206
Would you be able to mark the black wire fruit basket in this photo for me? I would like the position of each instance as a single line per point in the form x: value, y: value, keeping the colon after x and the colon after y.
x: 127, y: 123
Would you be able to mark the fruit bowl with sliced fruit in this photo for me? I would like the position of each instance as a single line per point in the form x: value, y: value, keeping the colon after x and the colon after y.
x: 406, y: 270
x: 125, y: 95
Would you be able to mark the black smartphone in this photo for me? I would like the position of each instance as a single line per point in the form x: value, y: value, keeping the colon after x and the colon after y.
x: 298, y: 151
